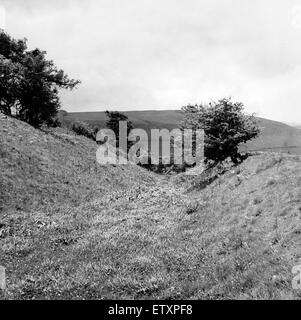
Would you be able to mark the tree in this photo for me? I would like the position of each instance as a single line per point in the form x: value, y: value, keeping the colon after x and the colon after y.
x: 29, y: 83
x: 113, y: 123
x: 225, y: 126
x: 11, y: 78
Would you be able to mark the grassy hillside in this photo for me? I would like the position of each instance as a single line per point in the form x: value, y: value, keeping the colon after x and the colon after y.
x: 72, y: 229
x: 276, y: 136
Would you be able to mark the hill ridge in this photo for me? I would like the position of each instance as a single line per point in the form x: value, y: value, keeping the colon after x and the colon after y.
x: 276, y: 135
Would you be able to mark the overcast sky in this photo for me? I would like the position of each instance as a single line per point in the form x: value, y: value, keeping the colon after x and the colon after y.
x: 162, y: 54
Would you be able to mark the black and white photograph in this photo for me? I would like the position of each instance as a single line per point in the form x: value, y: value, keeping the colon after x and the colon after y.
x: 150, y: 150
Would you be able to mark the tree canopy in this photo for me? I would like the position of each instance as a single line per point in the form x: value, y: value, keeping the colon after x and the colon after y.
x: 29, y: 83
x: 226, y: 126
x: 113, y: 123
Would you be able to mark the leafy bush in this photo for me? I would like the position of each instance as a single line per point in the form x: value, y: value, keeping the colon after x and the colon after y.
x: 225, y: 126
x: 83, y: 129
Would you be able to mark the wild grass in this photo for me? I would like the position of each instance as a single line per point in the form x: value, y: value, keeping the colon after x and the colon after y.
x: 72, y: 230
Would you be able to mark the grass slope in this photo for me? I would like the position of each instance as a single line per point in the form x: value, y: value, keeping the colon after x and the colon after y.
x: 136, y: 235
x: 41, y: 169
x: 276, y: 136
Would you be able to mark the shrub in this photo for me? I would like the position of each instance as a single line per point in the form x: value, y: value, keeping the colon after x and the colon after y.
x: 225, y: 126
x: 83, y: 129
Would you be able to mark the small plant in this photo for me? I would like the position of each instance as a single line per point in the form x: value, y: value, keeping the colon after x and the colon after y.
x: 192, y: 207
x: 257, y: 200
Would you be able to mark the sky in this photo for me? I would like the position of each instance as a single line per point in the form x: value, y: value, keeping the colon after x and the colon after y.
x: 164, y: 54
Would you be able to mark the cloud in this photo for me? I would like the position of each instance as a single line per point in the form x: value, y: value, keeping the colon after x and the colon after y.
x: 164, y: 53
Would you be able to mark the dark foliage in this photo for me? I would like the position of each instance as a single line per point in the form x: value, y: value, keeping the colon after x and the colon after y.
x: 29, y: 83
x: 225, y: 126
x: 83, y: 129
x: 114, y: 117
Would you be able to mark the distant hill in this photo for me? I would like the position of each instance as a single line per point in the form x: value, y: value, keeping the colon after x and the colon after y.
x: 147, y: 120
x: 294, y: 124
x: 276, y: 136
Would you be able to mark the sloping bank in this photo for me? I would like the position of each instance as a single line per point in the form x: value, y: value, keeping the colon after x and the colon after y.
x: 122, y: 232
